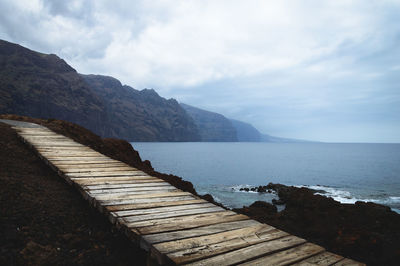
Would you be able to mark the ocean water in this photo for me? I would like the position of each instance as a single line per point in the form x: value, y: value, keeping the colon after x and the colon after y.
x: 345, y: 172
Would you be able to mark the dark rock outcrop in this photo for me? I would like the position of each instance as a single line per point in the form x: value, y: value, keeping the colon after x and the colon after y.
x: 366, y: 232
x: 211, y: 126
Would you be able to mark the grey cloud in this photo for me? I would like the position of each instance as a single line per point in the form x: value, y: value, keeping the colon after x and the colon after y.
x: 328, y: 71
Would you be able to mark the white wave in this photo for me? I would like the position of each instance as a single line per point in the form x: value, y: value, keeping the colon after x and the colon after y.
x: 216, y: 198
x: 390, y: 201
x: 344, y: 196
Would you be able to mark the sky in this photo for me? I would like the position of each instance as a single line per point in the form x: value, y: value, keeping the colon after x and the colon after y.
x: 316, y: 70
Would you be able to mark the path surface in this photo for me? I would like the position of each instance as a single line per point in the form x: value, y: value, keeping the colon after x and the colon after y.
x: 176, y: 227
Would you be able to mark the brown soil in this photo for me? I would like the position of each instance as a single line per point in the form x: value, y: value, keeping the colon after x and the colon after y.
x: 44, y: 221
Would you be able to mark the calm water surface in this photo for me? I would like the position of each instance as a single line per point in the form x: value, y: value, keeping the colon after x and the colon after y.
x: 346, y: 172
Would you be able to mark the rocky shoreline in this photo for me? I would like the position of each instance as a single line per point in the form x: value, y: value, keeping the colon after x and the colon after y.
x: 365, y: 232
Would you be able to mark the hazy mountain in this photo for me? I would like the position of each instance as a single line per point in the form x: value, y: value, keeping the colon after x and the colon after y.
x: 245, y: 131
x: 45, y: 86
x: 211, y: 126
x: 268, y: 138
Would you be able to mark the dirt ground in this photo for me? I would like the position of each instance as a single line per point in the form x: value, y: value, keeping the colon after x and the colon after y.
x: 44, y: 221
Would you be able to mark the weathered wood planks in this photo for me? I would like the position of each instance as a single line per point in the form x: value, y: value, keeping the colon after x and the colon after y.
x: 173, y: 225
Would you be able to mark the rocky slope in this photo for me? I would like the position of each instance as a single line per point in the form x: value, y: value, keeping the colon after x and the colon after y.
x: 212, y: 126
x: 141, y: 115
x: 45, y: 86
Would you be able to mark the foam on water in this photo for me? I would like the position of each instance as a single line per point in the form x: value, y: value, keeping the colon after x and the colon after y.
x: 344, y: 196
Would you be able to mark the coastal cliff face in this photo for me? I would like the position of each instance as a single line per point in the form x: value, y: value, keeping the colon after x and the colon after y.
x: 245, y: 131
x: 45, y: 86
x: 212, y: 126
x: 141, y: 115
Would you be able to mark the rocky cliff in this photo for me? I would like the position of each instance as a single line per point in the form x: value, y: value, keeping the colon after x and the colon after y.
x: 212, y: 126
x: 245, y: 131
x: 45, y: 86
x: 142, y: 115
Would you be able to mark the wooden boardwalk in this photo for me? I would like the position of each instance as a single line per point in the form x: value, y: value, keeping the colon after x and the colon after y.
x: 176, y: 227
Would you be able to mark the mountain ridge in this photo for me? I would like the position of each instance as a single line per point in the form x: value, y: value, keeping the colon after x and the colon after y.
x: 45, y: 86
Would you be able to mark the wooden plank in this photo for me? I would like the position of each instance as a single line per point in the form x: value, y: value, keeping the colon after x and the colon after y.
x: 173, y: 223
x: 147, y: 201
x: 72, y: 154
x: 66, y: 149
x: 348, y: 262
x: 149, y: 205
x: 111, y: 173
x: 250, y: 252
x: 185, y: 222
x: 200, y: 231
x: 50, y: 140
x: 162, y: 215
x: 130, y: 189
x: 45, y: 138
x: 289, y: 256
x: 116, y: 177
x: 205, y: 241
x: 113, y: 197
x: 100, y: 169
x: 40, y: 128
x: 113, y: 179
x: 37, y: 133
x: 128, y: 194
x: 56, y: 143
x: 87, y: 165
x: 111, y: 186
x: 238, y: 241
x: 82, y: 161
x: 84, y: 158
x: 116, y: 180
x: 56, y: 146
x: 324, y: 258
x: 163, y: 209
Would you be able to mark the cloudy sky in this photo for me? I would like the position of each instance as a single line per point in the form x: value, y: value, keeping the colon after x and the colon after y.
x: 319, y: 70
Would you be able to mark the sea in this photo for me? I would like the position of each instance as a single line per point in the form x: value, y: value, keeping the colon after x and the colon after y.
x: 345, y: 172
